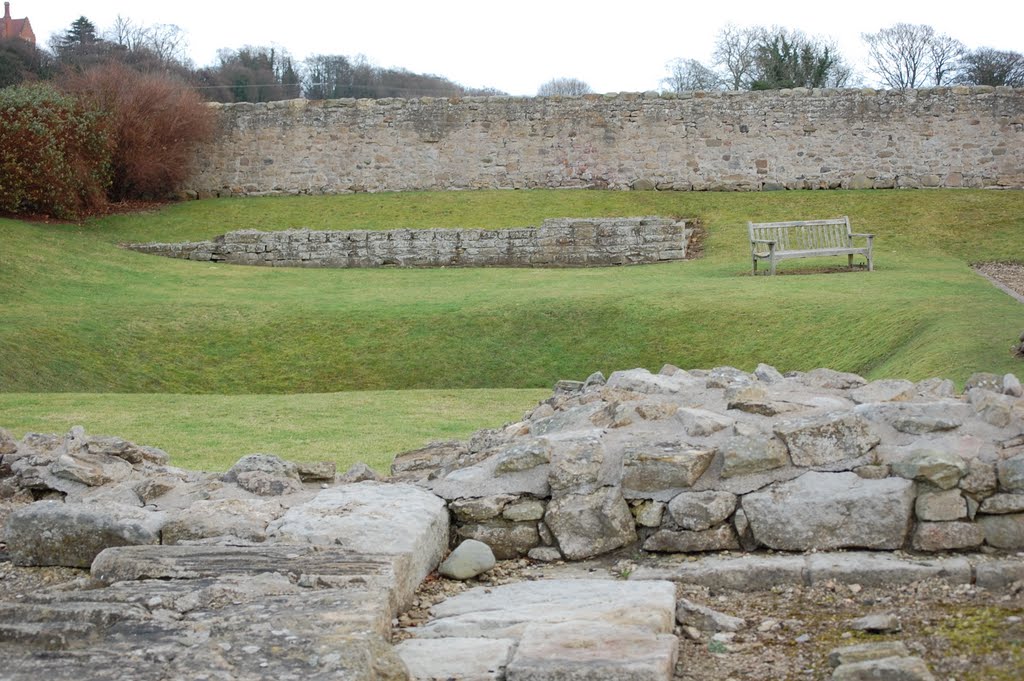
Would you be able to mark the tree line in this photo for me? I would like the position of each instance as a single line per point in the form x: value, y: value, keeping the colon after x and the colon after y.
x: 901, y: 57
x: 246, y: 74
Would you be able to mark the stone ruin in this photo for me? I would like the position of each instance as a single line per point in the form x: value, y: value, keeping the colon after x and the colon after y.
x: 288, y: 571
x: 558, y: 242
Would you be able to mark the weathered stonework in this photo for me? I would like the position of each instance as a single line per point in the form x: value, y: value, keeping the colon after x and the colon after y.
x: 561, y: 242
x: 784, y: 139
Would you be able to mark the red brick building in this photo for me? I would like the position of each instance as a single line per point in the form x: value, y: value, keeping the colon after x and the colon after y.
x: 16, y: 28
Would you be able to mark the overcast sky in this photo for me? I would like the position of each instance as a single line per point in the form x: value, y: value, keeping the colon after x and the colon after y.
x: 516, y: 46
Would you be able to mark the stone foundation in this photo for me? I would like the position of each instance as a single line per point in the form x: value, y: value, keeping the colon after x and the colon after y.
x: 696, y: 461
x: 563, y: 242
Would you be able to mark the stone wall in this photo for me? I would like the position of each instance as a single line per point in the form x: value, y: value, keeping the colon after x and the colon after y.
x: 556, y: 243
x: 693, y: 461
x: 942, y: 137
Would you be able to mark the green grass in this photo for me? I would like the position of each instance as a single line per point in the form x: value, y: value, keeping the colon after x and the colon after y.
x: 79, y: 315
x: 211, y: 432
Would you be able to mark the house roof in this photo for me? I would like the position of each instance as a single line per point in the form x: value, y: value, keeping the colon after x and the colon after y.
x: 16, y: 28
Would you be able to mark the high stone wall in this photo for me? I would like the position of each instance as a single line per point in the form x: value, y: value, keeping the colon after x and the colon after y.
x: 792, y: 139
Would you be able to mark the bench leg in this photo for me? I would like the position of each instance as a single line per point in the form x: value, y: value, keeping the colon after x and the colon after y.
x: 755, y: 266
x: 773, y: 267
x: 849, y: 260
x: 871, y: 264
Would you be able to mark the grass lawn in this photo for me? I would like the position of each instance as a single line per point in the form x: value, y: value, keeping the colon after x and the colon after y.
x: 211, y: 432
x: 150, y: 336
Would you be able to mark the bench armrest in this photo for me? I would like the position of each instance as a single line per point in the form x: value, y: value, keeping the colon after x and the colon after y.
x: 762, y: 241
x: 870, y: 236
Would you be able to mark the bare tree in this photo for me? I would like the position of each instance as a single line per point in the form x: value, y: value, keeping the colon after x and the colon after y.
x: 907, y: 56
x: 690, y: 74
x: 736, y: 52
x: 946, y: 53
x: 987, y: 66
x: 564, y: 86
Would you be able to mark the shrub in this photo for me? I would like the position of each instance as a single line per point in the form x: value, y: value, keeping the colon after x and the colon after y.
x: 54, y: 152
x: 157, y: 121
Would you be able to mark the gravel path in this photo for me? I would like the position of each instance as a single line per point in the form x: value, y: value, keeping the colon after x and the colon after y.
x: 1007, y: 276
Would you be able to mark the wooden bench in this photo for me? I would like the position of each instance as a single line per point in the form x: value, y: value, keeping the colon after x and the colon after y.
x: 775, y: 241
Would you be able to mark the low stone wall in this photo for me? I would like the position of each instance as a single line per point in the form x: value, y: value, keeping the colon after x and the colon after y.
x: 690, y: 461
x: 561, y: 242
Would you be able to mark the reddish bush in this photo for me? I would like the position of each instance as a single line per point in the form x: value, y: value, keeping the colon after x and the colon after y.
x: 54, y: 152
x: 157, y: 120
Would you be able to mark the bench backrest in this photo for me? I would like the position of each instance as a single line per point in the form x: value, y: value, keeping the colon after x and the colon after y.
x: 803, y: 235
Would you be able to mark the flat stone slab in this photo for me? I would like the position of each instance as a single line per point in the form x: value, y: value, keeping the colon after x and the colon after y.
x: 876, y: 569
x: 581, y: 651
x: 746, y: 573
x: 506, y: 611
x: 373, y: 518
x: 310, y: 566
x: 237, y: 627
x: 879, y: 569
x: 456, y: 659
x: 559, y: 629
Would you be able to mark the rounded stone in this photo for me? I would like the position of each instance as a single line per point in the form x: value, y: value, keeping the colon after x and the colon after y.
x: 469, y: 559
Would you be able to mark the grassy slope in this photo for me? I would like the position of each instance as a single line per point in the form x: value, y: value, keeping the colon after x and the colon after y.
x: 210, y: 432
x: 80, y: 315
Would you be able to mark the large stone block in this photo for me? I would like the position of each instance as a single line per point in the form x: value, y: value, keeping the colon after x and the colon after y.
x: 57, y: 533
x: 579, y: 651
x: 938, y: 467
x: 721, y: 538
x: 373, y: 517
x: 701, y: 510
x: 587, y: 525
x: 1003, y: 531
x: 819, y: 511
x: 826, y: 439
x: 746, y: 455
x: 650, y: 467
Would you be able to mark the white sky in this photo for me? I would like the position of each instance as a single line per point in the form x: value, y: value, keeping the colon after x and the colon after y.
x: 516, y: 46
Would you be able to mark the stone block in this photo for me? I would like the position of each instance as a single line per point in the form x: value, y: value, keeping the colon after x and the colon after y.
x: 652, y: 467
x: 938, y: 467
x: 579, y: 651
x: 71, y: 534
x: 826, y: 439
x: 745, y: 573
x: 457, y: 659
x: 722, y: 538
x: 820, y: 511
x: 746, y: 455
x: 948, y: 536
x: 587, y: 525
x: 701, y: 510
x: 883, y: 570
x: 941, y: 506
x: 507, y: 539
x: 1003, y: 531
